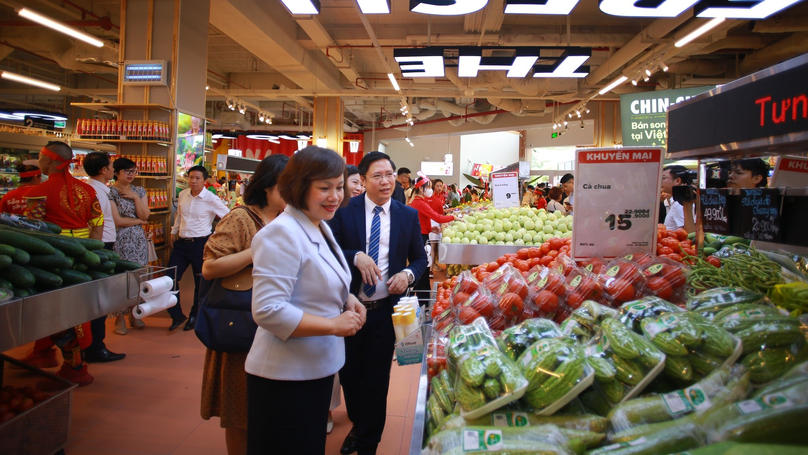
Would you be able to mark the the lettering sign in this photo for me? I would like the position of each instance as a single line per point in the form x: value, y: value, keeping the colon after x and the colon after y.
x: 616, y: 201
x: 37, y: 122
x: 430, y: 62
x: 715, y: 211
x: 730, y: 9
x: 644, y: 115
x: 759, y: 214
x: 770, y: 105
x: 505, y: 189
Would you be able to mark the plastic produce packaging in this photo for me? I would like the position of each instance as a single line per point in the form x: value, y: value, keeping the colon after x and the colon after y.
x: 710, y: 302
x: 687, y: 339
x: 517, y: 339
x: 549, y: 294
x: 488, y: 440
x: 667, y: 279
x: 793, y: 296
x: 436, y: 355
x: 442, y: 387
x: 486, y: 381
x: 638, y: 256
x: 470, y: 307
x: 467, y: 338
x: 516, y: 416
x: 510, y: 293
x: 640, y: 416
x: 581, y: 285
x: 583, y: 323
x: 622, y: 282
x: 734, y: 448
x: 594, y: 265
x: 632, y: 313
x: 624, y: 362
x: 556, y: 372
x: 676, y: 439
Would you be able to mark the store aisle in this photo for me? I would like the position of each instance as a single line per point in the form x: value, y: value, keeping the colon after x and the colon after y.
x: 148, y: 403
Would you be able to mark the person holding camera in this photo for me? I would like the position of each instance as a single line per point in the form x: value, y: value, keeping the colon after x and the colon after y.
x: 680, y: 214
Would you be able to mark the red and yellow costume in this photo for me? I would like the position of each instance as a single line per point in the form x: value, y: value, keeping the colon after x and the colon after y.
x: 73, y: 205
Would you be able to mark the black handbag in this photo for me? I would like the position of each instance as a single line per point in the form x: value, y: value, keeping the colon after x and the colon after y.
x: 224, y: 322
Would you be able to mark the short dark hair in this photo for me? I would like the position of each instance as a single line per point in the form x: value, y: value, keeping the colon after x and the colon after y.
x: 435, y: 182
x: 201, y: 169
x: 555, y: 193
x: 122, y: 164
x: 350, y: 170
x: 678, y: 172
x: 371, y: 158
x: 307, y: 165
x: 265, y: 177
x: 566, y: 178
x: 222, y: 180
x: 403, y: 170
x: 756, y: 166
x: 95, y: 161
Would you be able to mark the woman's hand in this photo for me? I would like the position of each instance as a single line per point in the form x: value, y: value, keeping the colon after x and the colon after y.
x: 353, y: 304
x: 347, y: 324
x: 127, y: 193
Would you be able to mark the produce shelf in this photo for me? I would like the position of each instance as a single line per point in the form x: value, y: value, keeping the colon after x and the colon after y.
x: 450, y: 253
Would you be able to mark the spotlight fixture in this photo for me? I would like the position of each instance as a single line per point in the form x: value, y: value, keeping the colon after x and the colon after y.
x: 646, y: 78
x: 634, y: 82
x: 647, y: 72
x: 587, y: 109
x: 555, y: 126
x: 570, y: 114
x: 565, y: 123
x: 663, y: 66
x: 261, y: 117
x: 269, y: 120
x: 242, y: 109
x: 207, y: 87
x: 578, y: 113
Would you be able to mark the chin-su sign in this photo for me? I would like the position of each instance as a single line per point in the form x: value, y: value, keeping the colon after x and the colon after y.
x: 730, y: 9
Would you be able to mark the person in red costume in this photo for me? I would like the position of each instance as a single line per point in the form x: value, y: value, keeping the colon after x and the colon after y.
x: 73, y: 205
x: 437, y: 202
x: 422, y: 191
x: 14, y: 201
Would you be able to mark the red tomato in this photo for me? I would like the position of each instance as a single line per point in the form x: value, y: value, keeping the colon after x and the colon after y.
x: 547, y: 301
x: 497, y: 322
x: 660, y: 287
x: 681, y: 234
x: 676, y: 257
x: 689, y: 251
x: 534, y: 252
x: 575, y: 300
x: 553, y: 253
x: 533, y: 262
x: 564, y: 249
x: 674, y: 274
x: 522, y: 254
x: 556, y: 243
x: 518, y: 288
x: 511, y: 305
x: 460, y: 298
x: 469, y: 286
x: 620, y: 290
x: 483, y: 305
x: 714, y: 261
x: 492, y: 267
x: 664, y: 251
x: 671, y: 243
x: 521, y: 265
x: 546, y: 260
x: 501, y: 260
x: 545, y: 248
x: 467, y: 315
x: 686, y: 243
x: 555, y: 285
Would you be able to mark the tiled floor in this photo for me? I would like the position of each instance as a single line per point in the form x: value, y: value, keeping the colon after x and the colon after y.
x: 148, y: 403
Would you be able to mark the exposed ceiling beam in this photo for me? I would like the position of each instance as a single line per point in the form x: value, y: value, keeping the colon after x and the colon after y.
x: 264, y: 28
x: 314, y: 28
x: 349, y: 93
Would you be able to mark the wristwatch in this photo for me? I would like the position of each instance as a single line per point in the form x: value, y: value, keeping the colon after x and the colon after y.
x: 410, y: 276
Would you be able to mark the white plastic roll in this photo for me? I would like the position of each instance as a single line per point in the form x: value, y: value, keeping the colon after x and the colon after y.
x: 151, y: 288
x: 155, y: 306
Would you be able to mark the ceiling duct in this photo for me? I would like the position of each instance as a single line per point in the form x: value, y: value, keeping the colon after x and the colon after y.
x: 699, y: 67
x: 520, y: 107
x: 780, y: 51
x: 781, y: 24
x: 69, y: 53
x: 232, y: 120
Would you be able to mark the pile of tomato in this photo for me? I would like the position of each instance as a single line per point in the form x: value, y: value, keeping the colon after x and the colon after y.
x: 15, y: 401
x: 674, y: 245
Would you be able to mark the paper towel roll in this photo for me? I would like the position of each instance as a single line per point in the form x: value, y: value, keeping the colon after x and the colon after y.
x: 154, y: 306
x: 151, y: 288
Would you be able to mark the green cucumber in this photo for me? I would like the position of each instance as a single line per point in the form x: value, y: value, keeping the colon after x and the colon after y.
x: 51, y: 261
x: 71, y: 277
x: 7, y: 250
x: 96, y: 275
x: 5, y: 261
x: 53, y: 227
x: 113, y: 255
x: 4, y: 283
x: 80, y: 267
x: 123, y: 265
x: 45, y: 280
x: 18, y: 276
x: 21, y: 292
x: 24, y: 241
x: 21, y: 257
x: 784, y: 425
x: 90, y: 258
x: 106, y: 267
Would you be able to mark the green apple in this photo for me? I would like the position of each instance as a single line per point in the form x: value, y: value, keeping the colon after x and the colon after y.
x: 516, y: 226
x: 488, y: 235
x: 464, y: 241
x: 529, y: 225
x: 499, y: 236
x: 460, y: 227
x: 552, y: 217
x: 523, y: 211
x: 471, y: 219
x: 554, y: 224
x: 472, y: 242
x: 499, y: 227
x: 548, y: 229
x: 513, y: 218
x: 528, y: 243
x: 483, y: 241
x: 498, y: 215
x: 447, y: 232
x: 508, y: 237
x: 500, y: 242
x: 509, y: 243
x: 507, y: 225
x: 566, y: 235
x: 528, y: 237
x: 519, y: 242
x: 562, y: 227
x: 516, y: 235
x: 468, y: 235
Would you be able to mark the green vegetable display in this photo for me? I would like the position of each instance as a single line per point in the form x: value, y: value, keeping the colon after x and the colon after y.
x: 552, y: 368
x: 484, y: 376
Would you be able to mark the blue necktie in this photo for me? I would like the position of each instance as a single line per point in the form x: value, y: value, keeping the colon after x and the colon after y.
x: 373, y: 246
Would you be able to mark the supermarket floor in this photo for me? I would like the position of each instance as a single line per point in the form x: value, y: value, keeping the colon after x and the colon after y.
x: 148, y: 403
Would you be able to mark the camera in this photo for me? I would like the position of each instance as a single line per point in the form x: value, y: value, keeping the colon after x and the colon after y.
x: 684, y: 193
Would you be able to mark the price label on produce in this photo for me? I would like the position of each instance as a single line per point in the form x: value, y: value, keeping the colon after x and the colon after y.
x: 505, y: 189
x: 617, y: 193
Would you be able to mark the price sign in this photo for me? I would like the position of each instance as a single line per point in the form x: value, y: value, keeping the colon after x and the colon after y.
x: 790, y: 171
x: 714, y: 211
x: 505, y: 189
x: 616, y: 200
x: 760, y: 214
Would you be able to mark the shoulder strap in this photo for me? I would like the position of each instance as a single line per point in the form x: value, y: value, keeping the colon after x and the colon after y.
x: 255, y: 217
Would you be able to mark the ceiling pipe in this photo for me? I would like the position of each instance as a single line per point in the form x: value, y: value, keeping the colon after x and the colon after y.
x: 780, y: 51
x: 781, y: 24
x: 698, y: 67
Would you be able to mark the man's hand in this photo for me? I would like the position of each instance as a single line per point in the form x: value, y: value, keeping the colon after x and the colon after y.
x: 353, y: 304
x: 371, y: 274
x: 173, y: 239
x: 398, y: 283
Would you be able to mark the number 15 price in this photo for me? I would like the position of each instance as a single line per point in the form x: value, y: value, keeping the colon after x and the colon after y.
x: 621, y: 221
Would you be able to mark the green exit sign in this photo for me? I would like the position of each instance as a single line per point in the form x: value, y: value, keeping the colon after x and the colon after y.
x: 554, y: 135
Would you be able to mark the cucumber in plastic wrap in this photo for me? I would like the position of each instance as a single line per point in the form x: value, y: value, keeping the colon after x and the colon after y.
x: 542, y: 439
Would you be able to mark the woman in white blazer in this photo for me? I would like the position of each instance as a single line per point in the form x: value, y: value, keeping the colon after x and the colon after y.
x: 303, y: 310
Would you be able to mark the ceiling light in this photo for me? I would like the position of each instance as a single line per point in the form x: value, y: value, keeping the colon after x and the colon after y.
x: 60, y: 27
x: 587, y: 110
x: 663, y: 66
x: 700, y: 31
x: 261, y: 117
x: 612, y: 85
x: 374, y: 6
x: 578, y: 113
x: 302, y: 136
x: 29, y: 81
x: 393, y: 81
x: 262, y: 137
x: 302, y: 6
x: 634, y: 82
x: 570, y: 115
x: 207, y: 87
x: 269, y: 120
x: 647, y: 72
x: 740, y: 10
x: 645, y: 78
x: 555, y: 126
x: 547, y: 7
x: 242, y: 109
x: 287, y: 137
x: 408, y: 140
x: 412, y: 145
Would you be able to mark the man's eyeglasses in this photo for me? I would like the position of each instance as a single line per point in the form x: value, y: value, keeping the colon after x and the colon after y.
x: 379, y: 177
x: 130, y: 171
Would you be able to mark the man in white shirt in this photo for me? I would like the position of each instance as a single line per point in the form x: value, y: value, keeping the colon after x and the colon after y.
x: 98, y: 166
x: 196, y: 210
x: 675, y: 219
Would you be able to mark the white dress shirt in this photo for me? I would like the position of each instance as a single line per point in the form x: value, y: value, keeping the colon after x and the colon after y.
x: 195, y: 214
x: 383, y: 261
x: 102, y: 193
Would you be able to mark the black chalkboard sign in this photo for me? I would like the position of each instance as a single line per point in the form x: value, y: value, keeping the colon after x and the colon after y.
x: 715, y: 211
x: 759, y: 214
x: 795, y: 218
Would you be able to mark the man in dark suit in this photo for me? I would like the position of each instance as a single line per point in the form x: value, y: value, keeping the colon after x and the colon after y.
x: 403, y: 178
x: 378, y: 236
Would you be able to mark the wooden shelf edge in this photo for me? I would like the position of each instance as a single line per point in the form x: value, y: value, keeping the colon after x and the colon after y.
x: 121, y: 106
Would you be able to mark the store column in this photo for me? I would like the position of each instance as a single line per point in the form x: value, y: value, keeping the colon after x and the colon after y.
x: 328, y: 123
